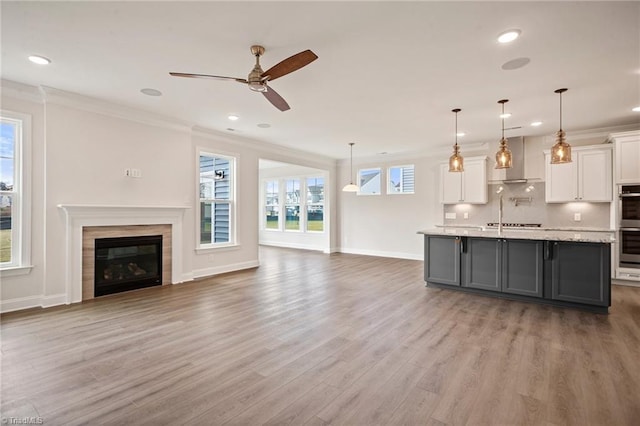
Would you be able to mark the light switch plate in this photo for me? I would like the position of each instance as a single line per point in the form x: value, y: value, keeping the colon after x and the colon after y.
x: 449, y: 215
x: 577, y: 217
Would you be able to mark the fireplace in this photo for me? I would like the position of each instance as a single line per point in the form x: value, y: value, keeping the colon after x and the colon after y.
x: 127, y: 263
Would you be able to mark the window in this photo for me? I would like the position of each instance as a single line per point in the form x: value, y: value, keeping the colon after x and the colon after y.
x: 14, y: 218
x: 400, y: 180
x: 315, y: 204
x: 292, y: 205
x: 217, y: 174
x: 272, y: 206
x: 369, y: 181
x: 299, y: 200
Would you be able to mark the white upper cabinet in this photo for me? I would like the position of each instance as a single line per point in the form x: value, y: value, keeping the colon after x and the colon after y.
x: 469, y: 186
x: 587, y: 178
x: 627, y: 149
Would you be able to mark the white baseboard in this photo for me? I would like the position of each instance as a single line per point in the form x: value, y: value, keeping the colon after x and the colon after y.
x: 216, y: 270
x: 392, y: 254
x: 39, y: 301
x: 625, y: 283
x: 56, y: 299
x: 293, y: 245
x: 186, y: 277
x: 20, y: 303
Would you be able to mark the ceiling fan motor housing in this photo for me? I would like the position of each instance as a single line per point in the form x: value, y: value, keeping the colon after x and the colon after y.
x: 255, y: 76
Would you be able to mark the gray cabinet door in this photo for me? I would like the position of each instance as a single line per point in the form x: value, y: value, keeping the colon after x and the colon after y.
x: 522, y: 267
x: 482, y: 263
x: 442, y: 259
x: 580, y: 273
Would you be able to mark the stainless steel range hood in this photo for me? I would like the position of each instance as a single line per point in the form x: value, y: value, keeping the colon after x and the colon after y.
x: 516, y: 173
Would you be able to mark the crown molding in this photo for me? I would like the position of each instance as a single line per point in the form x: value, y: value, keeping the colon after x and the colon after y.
x: 61, y: 97
x: 600, y: 132
x: 411, y: 156
x: 21, y: 91
x: 267, y: 150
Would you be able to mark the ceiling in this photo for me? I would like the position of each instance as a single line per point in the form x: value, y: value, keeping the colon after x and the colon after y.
x: 387, y: 77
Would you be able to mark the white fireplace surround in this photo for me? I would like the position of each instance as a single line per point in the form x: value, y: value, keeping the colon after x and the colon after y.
x: 78, y: 216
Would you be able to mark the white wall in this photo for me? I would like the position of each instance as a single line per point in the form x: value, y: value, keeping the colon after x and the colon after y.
x: 387, y: 225
x: 81, y: 147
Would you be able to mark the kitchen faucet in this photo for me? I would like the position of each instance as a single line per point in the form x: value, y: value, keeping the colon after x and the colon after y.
x: 499, y: 191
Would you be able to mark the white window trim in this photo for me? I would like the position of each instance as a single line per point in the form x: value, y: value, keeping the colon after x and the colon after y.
x: 264, y: 205
x: 301, y: 221
x: 389, y: 179
x: 22, y: 265
x: 366, y: 194
x: 282, y: 191
x: 233, y: 207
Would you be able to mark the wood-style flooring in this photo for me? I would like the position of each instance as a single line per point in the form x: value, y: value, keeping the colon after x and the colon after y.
x: 315, y: 339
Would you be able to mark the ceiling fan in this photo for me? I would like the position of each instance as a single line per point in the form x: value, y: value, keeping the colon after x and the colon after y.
x: 257, y: 79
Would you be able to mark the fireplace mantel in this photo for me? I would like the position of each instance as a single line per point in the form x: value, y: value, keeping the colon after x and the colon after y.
x: 78, y: 216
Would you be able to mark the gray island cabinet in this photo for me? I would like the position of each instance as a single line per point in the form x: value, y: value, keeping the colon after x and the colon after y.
x: 519, y: 266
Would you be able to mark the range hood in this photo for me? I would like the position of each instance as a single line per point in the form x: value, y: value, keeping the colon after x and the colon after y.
x: 515, y: 174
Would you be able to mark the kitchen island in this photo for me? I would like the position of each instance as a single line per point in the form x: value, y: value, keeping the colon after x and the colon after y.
x: 557, y: 267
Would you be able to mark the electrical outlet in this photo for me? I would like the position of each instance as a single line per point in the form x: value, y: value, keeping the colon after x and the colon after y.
x: 577, y: 217
x: 127, y: 172
x: 449, y: 215
x: 466, y: 215
x: 136, y: 173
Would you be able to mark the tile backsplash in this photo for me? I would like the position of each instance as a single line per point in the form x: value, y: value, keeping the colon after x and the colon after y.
x: 524, y: 203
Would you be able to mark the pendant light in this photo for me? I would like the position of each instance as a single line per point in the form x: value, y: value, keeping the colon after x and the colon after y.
x: 503, y: 156
x: 351, y: 187
x: 561, y: 151
x: 456, y: 162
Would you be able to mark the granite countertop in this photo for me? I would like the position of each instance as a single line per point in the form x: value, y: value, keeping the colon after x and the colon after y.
x: 549, y: 234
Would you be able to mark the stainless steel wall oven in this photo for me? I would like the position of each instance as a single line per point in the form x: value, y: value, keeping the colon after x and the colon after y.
x: 629, y: 235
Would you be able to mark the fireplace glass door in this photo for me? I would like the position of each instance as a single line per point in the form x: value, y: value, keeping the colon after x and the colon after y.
x: 127, y: 263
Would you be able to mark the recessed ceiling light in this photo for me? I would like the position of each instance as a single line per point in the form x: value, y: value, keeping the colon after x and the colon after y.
x: 636, y: 109
x: 40, y: 60
x: 508, y: 36
x: 151, y: 92
x: 460, y: 134
x: 233, y: 117
x: 505, y: 115
x: 536, y: 123
x: 514, y: 64
x: 264, y: 125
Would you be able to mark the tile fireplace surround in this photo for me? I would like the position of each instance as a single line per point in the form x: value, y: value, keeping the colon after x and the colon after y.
x: 80, y: 216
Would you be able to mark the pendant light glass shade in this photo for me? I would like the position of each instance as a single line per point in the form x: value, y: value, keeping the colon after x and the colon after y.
x: 351, y: 187
x: 561, y: 151
x: 503, y: 156
x: 456, y: 162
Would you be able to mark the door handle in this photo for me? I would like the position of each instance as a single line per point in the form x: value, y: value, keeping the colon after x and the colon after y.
x: 547, y: 251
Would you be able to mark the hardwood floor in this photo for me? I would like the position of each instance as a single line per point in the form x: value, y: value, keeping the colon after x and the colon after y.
x: 314, y: 339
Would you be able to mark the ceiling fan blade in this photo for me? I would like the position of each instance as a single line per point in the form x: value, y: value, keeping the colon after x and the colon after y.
x: 289, y: 65
x: 214, y: 77
x: 277, y: 100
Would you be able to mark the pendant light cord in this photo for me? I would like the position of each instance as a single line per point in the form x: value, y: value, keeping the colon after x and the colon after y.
x: 456, y: 128
x: 560, y: 92
x: 502, y: 117
x: 351, y: 162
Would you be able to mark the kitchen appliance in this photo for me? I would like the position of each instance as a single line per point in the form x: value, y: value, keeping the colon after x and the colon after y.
x: 629, y: 233
x: 630, y: 206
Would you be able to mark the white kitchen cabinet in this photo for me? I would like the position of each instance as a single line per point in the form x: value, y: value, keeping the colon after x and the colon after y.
x: 587, y: 178
x: 469, y: 186
x: 627, y: 153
